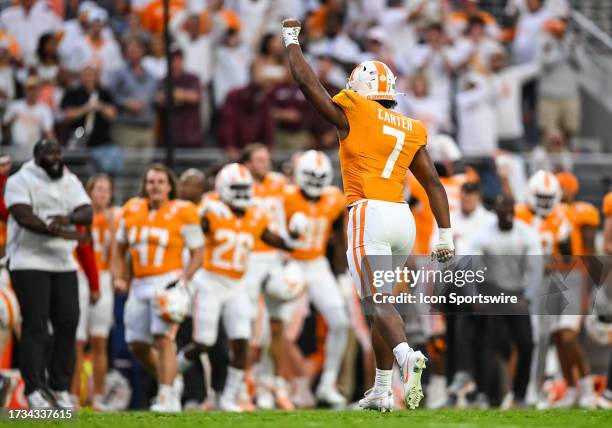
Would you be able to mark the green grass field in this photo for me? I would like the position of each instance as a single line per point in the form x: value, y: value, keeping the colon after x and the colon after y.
x: 339, y: 419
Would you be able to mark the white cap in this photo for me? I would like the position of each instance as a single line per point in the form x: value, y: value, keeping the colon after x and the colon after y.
x: 87, y: 6
x: 97, y: 15
x: 377, y: 33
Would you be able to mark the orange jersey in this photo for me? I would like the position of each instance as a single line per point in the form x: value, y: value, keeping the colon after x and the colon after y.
x: 607, y: 205
x: 103, y: 227
x: 580, y: 214
x: 230, y: 240
x: 378, y: 150
x: 321, y: 215
x: 553, y: 229
x: 268, y: 197
x: 156, y: 238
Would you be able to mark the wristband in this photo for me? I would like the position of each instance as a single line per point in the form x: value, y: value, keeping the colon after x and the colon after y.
x: 445, y: 235
x: 290, y: 35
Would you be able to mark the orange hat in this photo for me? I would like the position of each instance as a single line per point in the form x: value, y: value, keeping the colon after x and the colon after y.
x: 568, y: 181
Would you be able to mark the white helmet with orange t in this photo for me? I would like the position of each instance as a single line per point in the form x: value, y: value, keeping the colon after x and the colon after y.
x: 543, y: 192
x: 373, y: 80
x: 313, y: 172
x: 234, y: 184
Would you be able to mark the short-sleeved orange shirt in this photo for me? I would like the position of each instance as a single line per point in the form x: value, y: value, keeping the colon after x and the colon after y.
x: 103, y: 227
x: 230, y: 240
x: 580, y: 214
x: 378, y: 150
x: 268, y: 197
x: 321, y: 215
x: 156, y: 238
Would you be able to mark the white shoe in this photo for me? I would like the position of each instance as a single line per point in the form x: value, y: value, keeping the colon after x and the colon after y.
x: 229, y: 404
x: 375, y: 399
x: 330, y: 395
x: 98, y: 404
x: 302, y: 396
x: 587, y: 398
x: 165, y: 402
x: 411, y: 371
x: 570, y: 399
x: 64, y: 399
x: 436, y: 392
x: 265, y: 398
x: 37, y: 400
x: 605, y: 401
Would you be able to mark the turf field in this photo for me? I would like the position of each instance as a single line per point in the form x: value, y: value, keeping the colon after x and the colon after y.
x: 339, y: 419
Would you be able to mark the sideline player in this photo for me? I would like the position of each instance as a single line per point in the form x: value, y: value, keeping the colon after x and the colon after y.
x: 377, y: 146
x: 231, y: 226
x: 96, y: 320
x: 155, y: 228
x: 316, y: 206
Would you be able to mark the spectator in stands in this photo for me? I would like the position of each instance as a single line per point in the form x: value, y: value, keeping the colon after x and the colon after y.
x: 27, y: 21
x: 476, y: 48
x: 133, y: 89
x: 337, y: 42
x: 477, y: 133
x: 90, y: 112
x: 198, y: 51
x: 559, y: 95
x: 508, y: 83
x: 245, y: 117
x: 528, y: 28
x: 458, y: 21
x: 419, y: 104
x: 231, y: 71
x: 29, y: 119
x: 436, y: 58
x: 155, y: 62
x: 96, y: 48
x: 186, y: 128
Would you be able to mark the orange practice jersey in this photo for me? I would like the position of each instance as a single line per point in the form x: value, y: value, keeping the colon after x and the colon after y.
x: 230, y: 240
x: 580, y: 214
x: 378, y: 150
x: 103, y: 228
x: 607, y: 205
x: 156, y: 238
x: 321, y: 215
x: 553, y: 229
x: 269, y: 198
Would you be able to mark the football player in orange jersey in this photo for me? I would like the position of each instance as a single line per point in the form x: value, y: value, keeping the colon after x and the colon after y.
x: 155, y: 228
x: 314, y: 209
x: 264, y: 262
x: 377, y: 147
x: 96, y: 320
x: 231, y: 225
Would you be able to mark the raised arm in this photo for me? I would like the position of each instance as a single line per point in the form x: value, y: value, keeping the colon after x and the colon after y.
x: 308, y: 81
x: 424, y: 171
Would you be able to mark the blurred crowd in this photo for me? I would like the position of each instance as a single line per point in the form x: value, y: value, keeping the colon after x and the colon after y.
x: 93, y: 73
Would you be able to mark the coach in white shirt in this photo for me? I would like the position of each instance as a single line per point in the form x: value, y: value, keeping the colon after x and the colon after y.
x: 46, y: 202
x: 470, y: 218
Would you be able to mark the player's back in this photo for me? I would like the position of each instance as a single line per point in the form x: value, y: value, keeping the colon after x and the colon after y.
x: 378, y: 149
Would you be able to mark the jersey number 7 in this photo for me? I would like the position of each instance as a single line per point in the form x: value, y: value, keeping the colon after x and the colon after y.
x: 400, y: 137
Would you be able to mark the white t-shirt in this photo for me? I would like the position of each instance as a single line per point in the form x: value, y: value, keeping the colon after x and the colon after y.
x: 476, y: 121
x: 32, y: 186
x: 466, y: 227
x: 528, y: 29
x: 30, y: 121
x: 508, y: 85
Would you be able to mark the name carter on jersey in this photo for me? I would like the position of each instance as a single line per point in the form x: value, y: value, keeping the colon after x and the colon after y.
x: 395, y: 120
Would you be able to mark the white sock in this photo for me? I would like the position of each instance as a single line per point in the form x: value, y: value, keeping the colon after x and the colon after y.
x: 586, y: 385
x: 335, y: 346
x: 166, y: 390
x: 234, y: 380
x: 382, y: 381
x: 401, y: 352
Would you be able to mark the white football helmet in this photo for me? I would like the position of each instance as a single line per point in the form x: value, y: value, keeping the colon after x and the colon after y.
x: 543, y: 192
x: 287, y: 285
x: 373, y: 80
x: 234, y: 184
x: 313, y: 172
x: 173, y: 304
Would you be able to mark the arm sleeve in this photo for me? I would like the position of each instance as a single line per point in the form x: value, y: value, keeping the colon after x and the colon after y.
x: 47, y: 118
x: 191, y: 230
x: 87, y: 259
x: 16, y: 192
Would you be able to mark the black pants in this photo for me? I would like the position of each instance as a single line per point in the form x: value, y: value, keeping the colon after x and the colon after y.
x: 517, y: 329
x: 43, y: 297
